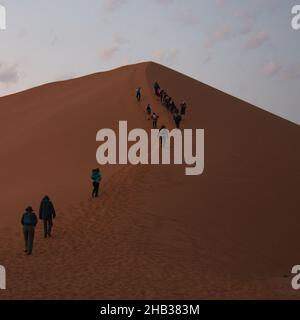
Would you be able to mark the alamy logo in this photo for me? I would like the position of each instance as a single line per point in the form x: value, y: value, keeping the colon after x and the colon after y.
x: 2, y: 278
x: 296, y: 18
x: 296, y: 279
x: 147, y: 151
x: 2, y: 18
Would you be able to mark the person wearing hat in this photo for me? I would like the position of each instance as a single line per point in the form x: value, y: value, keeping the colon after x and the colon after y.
x: 29, y: 222
x: 47, y: 214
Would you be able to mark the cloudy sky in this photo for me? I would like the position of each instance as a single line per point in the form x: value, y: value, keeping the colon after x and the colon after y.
x: 244, y: 47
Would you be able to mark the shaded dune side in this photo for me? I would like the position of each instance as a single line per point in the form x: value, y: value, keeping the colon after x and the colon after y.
x: 250, y: 185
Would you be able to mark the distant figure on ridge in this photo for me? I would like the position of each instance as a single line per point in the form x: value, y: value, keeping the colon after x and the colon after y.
x: 149, y: 111
x: 96, y: 178
x: 154, y: 119
x: 162, y: 94
x: 157, y: 88
x: 138, y: 94
x: 29, y: 222
x: 183, y: 107
x: 47, y: 214
x: 177, y: 118
x: 173, y: 107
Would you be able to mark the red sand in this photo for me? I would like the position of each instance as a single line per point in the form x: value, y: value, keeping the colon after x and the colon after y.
x: 154, y: 233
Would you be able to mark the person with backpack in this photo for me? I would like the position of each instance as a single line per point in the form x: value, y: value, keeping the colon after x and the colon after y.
x: 177, y: 118
x: 149, y: 111
x: 29, y: 222
x: 156, y: 89
x: 154, y: 120
x: 47, y: 214
x: 183, y: 107
x: 161, y: 95
x: 96, y: 178
x: 138, y: 94
x: 173, y: 107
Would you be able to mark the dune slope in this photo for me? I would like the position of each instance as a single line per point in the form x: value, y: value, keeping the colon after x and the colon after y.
x: 154, y: 233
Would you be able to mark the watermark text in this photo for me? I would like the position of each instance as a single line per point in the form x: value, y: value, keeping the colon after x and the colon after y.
x: 2, y: 17
x: 156, y: 148
x: 2, y: 278
x: 296, y: 17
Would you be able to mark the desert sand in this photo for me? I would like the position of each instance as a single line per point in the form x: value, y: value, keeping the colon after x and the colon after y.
x: 231, y: 233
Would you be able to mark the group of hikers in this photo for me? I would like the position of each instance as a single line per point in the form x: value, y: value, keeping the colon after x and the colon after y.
x: 47, y: 214
x: 168, y: 102
x: 29, y: 221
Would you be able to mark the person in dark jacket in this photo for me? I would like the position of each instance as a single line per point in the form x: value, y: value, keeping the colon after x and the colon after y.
x: 177, y: 118
x: 96, y: 178
x: 138, y: 94
x: 149, y: 111
x: 183, y: 107
x: 47, y: 214
x: 154, y: 118
x: 29, y: 222
x: 156, y: 88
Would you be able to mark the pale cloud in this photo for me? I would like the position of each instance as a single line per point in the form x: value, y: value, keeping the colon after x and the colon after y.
x: 165, y: 56
x: 271, y: 69
x: 220, y: 34
x: 8, y: 74
x: 187, y: 17
x: 222, y: 2
x: 257, y: 40
x: 112, y: 5
x: 120, y: 39
x: 208, y: 58
x: 108, y: 53
x: 165, y: 1
x: 247, y: 22
x: 53, y: 40
x: 291, y: 72
x: 65, y: 76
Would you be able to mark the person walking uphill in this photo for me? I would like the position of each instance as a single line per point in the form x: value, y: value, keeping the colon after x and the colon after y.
x: 96, y: 178
x: 156, y: 87
x: 47, y: 214
x: 183, y: 107
x: 29, y: 222
x: 154, y: 120
x: 177, y: 118
x: 138, y: 94
x: 149, y: 111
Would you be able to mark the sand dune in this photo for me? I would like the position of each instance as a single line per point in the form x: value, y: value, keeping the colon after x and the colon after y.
x: 154, y: 233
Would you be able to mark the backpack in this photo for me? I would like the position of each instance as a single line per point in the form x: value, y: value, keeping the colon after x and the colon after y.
x: 28, y: 220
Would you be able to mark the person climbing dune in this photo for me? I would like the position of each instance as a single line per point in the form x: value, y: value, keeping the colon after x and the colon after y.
x: 47, y: 214
x: 156, y: 88
x: 29, y: 222
x: 148, y: 111
x: 139, y: 94
x: 161, y: 95
x: 96, y: 178
x: 183, y: 107
x: 154, y: 120
x: 177, y: 118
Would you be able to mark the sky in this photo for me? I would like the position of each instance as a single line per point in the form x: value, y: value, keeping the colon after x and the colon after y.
x: 246, y: 48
